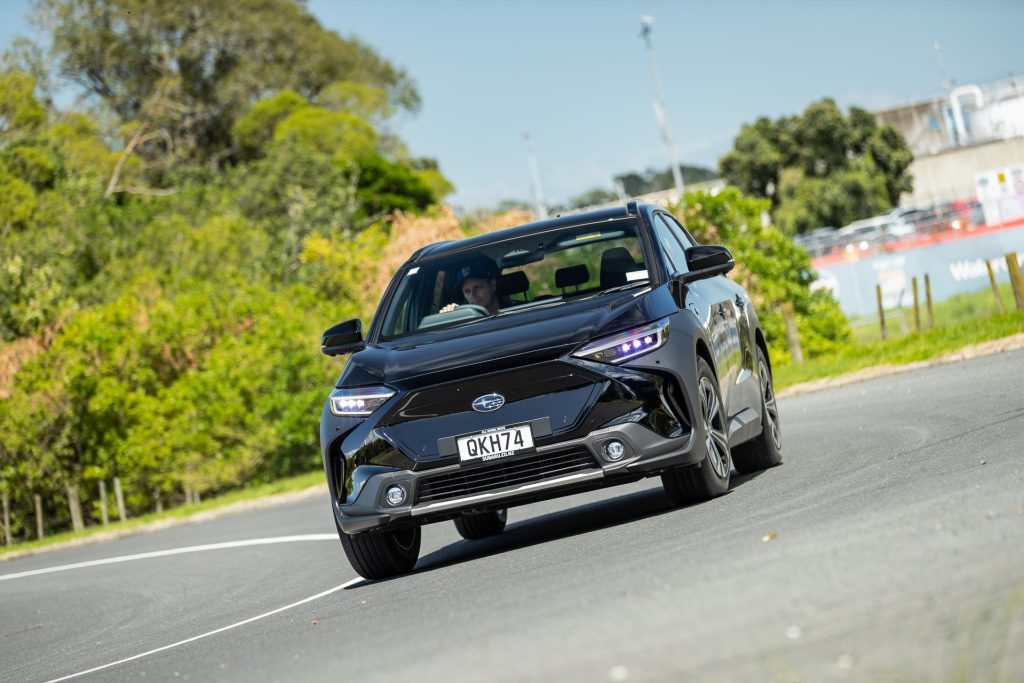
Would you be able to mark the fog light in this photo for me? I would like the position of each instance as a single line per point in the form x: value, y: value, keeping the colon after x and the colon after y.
x: 395, y: 495
x: 614, y: 450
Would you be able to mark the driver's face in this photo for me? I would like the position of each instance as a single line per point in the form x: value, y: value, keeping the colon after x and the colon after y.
x: 479, y: 291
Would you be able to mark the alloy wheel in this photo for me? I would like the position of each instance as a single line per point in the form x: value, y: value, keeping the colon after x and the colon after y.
x: 715, y: 441
x: 771, y: 408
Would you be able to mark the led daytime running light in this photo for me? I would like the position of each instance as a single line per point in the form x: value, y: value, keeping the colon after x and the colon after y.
x: 626, y: 345
x: 359, y: 402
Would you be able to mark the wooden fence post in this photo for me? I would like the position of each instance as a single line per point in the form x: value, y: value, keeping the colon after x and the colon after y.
x: 928, y: 301
x: 1016, y: 279
x: 881, y: 309
x: 39, y: 514
x: 995, y: 287
x: 103, y: 502
x: 7, y: 518
x: 917, y: 306
x: 74, y: 506
x: 792, y: 334
x: 119, y: 494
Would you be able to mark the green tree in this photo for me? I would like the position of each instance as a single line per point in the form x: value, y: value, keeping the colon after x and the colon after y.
x: 770, y: 266
x: 821, y: 167
x: 598, y: 195
x: 254, y: 130
x: 655, y: 180
x: 166, y: 269
x: 192, y: 69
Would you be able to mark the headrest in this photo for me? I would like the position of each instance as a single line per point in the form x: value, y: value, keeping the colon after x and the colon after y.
x: 615, y: 263
x: 515, y: 282
x: 572, y: 276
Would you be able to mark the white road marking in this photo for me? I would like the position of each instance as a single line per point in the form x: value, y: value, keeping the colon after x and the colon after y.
x: 172, y: 551
x: 211, y: 633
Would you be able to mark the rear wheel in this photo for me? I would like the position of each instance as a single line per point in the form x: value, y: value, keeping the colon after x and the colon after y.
x: 482, y: 524
x: 695, y: 484
x: 766, y: 450
x: 382, y: 554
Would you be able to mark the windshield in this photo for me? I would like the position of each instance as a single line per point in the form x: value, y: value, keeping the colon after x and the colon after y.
x: 543, y: 269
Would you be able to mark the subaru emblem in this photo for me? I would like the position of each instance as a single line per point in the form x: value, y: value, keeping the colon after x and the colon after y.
x: 489, y: 402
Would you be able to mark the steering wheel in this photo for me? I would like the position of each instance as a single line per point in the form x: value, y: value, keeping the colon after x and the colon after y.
x: 476, y: 308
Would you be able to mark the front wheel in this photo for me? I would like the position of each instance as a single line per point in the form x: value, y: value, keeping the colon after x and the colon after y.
x: 482, y: 524
x: 382, y: 554
x: 766, y: 450
x: 696, y: 484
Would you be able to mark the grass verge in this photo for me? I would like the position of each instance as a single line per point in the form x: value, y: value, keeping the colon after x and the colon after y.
x: 956, y: 309
x: 927, y: 345
x: 291, y: 484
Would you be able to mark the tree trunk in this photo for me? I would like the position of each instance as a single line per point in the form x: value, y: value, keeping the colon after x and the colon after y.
x: 792, y: 336
x: 119, y: 494
x: 7, y: 519
x: 159, y: 501
x: 103, y: 503
x: 39, y: 514
x: 75, y: 506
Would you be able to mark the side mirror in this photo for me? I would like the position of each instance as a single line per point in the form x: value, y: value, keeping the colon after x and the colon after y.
x: 707, y: 261
x: 346, y: 337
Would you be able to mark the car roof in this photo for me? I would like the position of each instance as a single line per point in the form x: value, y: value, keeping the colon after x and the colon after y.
x: 866, y: 223
x: 563, y: 221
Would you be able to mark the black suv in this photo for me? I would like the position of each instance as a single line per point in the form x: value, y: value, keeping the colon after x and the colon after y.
x: 539, y: 361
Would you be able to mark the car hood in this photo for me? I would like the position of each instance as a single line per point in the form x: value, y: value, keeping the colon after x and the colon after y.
x: 502, y: 341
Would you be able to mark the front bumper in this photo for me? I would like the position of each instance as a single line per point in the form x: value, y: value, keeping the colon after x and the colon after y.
x: 580, y: 464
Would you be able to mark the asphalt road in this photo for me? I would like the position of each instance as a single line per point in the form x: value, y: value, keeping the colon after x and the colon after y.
x: 889, y: 546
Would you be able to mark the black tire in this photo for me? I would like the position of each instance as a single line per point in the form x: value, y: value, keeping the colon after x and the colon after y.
x: 688, y: 485
x: 481, y: 525
x: 382, y: 554
x: 766, y: 450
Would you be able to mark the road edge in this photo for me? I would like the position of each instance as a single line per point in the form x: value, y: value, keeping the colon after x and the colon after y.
x: 168, y: 522
x: 987, y: 348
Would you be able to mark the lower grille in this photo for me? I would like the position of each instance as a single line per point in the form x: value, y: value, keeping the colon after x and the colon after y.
x: 500, y: 474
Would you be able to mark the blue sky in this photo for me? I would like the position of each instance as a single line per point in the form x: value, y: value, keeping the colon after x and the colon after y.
x: 574, y: 74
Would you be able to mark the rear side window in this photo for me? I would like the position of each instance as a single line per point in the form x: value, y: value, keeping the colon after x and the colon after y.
x: 675, y: 252
x: 679, y: 231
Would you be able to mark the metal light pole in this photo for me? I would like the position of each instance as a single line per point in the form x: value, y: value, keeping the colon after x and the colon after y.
x: 538, y: 194
x: 659, y: 108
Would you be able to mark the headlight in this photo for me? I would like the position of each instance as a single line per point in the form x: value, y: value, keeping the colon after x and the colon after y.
x: 626, y: 345
x: 359, y: 402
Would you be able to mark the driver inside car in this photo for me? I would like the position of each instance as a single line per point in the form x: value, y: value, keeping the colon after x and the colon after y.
x: 477, y: 280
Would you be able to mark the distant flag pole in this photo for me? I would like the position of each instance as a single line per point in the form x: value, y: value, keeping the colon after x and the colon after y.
x: 539, y: 205
x: 660, y: 115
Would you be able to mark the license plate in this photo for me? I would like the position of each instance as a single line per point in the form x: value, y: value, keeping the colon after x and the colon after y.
x: 495, y: 443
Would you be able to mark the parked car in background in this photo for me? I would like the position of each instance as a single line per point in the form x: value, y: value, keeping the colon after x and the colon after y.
x: 543, y: 360
x: 817, y: 242
x: 864, y: 232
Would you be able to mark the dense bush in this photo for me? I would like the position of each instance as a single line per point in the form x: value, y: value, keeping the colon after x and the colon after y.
x: 165, y: 277
x: 770, y: 266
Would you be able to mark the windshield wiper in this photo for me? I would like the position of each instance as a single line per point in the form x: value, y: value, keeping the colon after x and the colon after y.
x: 622, y: 288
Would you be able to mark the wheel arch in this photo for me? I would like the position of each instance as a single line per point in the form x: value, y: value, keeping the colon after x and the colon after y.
x: 763, y: 345
x: 704, y: 352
